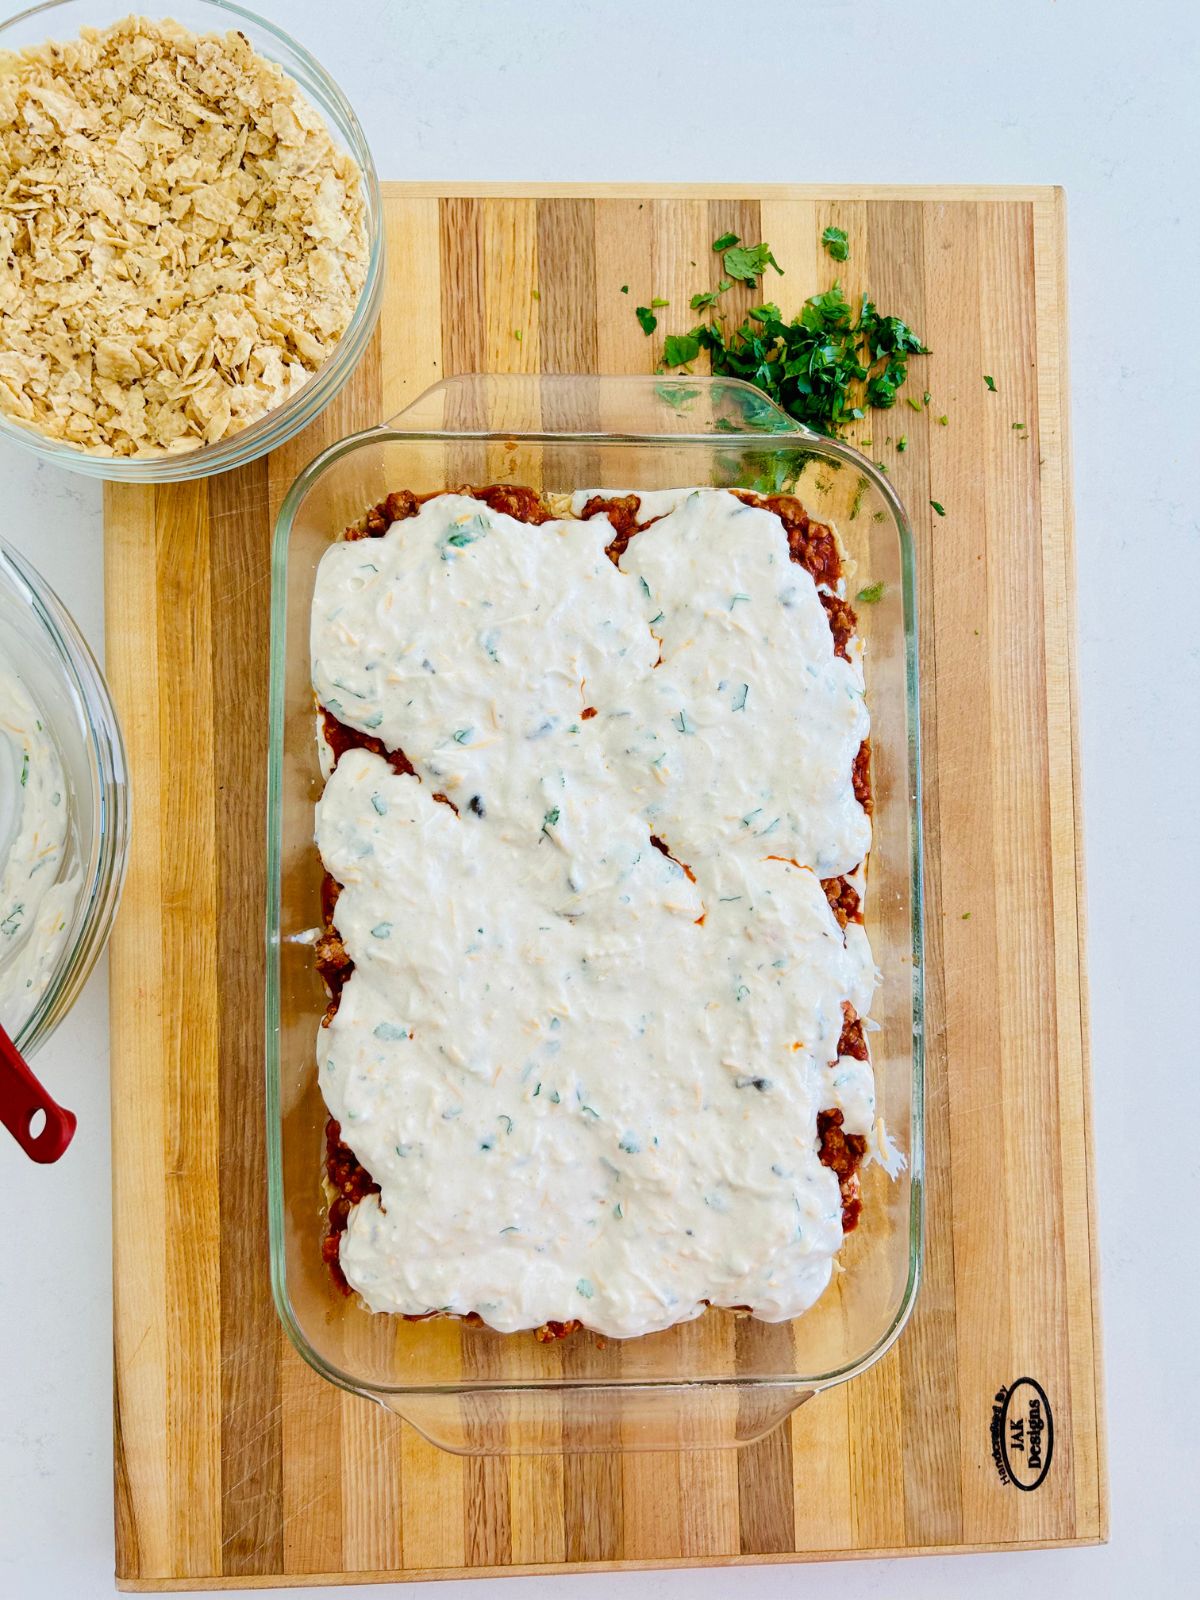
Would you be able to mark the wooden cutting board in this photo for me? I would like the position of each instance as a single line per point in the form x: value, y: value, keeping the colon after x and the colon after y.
x: 235, y: 1464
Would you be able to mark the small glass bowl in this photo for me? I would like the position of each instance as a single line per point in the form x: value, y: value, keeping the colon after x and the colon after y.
x: 41, y: 643
x: 64, y: 19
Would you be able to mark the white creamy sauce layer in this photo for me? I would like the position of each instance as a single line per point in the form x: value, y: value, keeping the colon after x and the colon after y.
x: 586, y: 1082
x: 38, y: 890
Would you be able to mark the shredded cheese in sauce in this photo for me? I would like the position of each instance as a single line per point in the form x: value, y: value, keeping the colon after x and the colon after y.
x: 584, y: 1071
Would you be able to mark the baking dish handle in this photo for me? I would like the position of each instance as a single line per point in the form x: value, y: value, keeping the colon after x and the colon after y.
x: 585, y: 405
x: 579, y: 1419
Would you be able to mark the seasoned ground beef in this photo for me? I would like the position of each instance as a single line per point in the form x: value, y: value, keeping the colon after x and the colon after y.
x: 341, y: 738
x: 843, y: 900
x: 843, y: 1154
x: 622, y: 511
x: 862, y: 777
x: 842, y: 622
x: 350, y: 1181
x: 851, y: 1041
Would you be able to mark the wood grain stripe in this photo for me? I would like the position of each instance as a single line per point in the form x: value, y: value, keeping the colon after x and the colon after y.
x: 190, y: 1056
x: 251, y: 1455
x: 136, y: 1009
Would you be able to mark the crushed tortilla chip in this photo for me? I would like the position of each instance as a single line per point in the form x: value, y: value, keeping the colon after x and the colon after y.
x: 182, y: 243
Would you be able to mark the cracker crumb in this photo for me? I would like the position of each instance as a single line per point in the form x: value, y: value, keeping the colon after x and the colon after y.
x: 182, y: 243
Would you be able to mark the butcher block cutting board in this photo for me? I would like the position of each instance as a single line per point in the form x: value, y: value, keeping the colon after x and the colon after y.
x: 235, y: 1463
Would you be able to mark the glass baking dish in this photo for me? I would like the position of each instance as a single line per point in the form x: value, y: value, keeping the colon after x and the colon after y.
x: 720, y: 1380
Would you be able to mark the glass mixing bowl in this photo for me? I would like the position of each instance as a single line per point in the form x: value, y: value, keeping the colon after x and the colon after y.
x: 63, y: 19
x: 41, y: 648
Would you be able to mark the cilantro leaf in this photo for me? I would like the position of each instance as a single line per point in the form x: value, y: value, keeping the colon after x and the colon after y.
x: 647, y: 319
x: 940, y: 509
x: 747, y: 263
x: 659, y: 301
x: 679, y: 349
x: 836, y: 243
x: 624, y: 288
x: 991, y: 382
x: 724, y: 242
x: 709, y: 297
x: 873, y: 593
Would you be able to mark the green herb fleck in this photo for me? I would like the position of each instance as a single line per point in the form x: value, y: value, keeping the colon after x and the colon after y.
x: 990, y: 381
x: 909, y: 401
x: 647, y: 319
x: 836, y: 243
x: 391, y: 1030
x: 966, y: 916
x: 709, y: 297
x: 739, y: 699
x: 942, y: 421
x: 902, y: 443
x: 535, y: 294
x: 550, y: 820
x: 681, y: 722
x: 1018, y: 427
x: 585, y: 1288
x: 381, y: 930
x: 659, y: 301
x: 624, y: 288
x: 747, y: 263
x: 859, y: 494
x: 938, y: 507
x: 379, y: 804
x: 461, y: 735
x: 517, y: 335
x: 725, y: 242
x: 871, y: 595
x: 681, y: 349
x: 734, y: 600
x: 25, y: 769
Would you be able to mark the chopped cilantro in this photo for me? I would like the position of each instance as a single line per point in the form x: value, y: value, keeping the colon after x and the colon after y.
x: 909, y: 401
x: 966, y: 916
x: 659, y: 301
x: 821, y: 367
x: 902, y: 443
x: 681, y: 349
x: 624, y: 288
x: 940, y: 509
x: 1018, y: 427
x: 836, y: 243
x: 990, y: 381
x: 942, y: 421
x: 926, y: 398
x: 647, y: 319
x: 536, y: 294
x: 517, y: 335
x: 709, y: 297
x: 747, y: 263
x: 871, y: 595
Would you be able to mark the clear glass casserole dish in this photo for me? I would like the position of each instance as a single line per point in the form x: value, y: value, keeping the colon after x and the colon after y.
x: 65, y: 19
x: 721, y: 1380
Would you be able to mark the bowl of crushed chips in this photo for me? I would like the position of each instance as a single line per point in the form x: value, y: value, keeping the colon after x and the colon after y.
x: 191, y: 238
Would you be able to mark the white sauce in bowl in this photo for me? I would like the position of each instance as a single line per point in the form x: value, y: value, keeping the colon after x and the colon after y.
x: 587, y: 1080
x: 39, y: 888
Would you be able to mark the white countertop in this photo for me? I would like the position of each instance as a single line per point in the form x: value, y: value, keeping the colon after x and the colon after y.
x: 1100, y: 97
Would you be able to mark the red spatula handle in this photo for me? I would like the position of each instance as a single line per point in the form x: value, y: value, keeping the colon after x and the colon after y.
x: 21, y: 1098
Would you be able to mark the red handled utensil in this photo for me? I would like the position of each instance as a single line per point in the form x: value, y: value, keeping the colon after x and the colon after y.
x: 21, y: 1099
